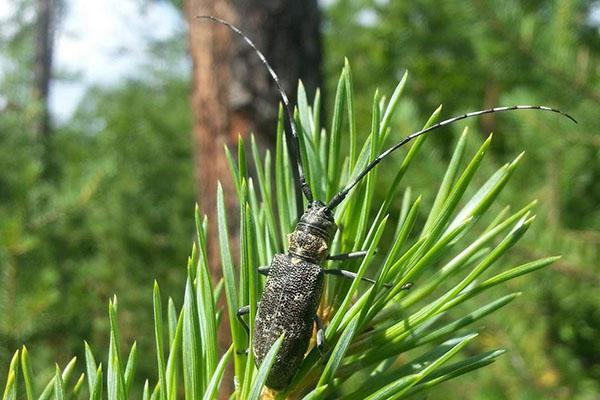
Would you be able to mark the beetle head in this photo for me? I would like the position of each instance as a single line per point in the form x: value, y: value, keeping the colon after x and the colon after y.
x: 318, y: 220
x: 313, y: 234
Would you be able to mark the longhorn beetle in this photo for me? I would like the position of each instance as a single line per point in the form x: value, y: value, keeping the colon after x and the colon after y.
x: 294, y: 282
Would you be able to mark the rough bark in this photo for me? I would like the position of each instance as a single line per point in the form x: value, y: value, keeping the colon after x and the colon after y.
x: 233, y: 94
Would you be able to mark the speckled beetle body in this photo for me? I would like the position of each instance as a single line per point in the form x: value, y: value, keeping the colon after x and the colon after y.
x: 292, y: 294
x: 289, y: 305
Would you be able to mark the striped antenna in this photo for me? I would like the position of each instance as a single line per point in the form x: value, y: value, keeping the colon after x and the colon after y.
x: 340, y: 196
x: 292, y: 140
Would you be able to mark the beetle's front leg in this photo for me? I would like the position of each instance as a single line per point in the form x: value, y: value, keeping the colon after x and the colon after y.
x: 344, y: 273
x: 347, y: 256
x: 353, y: 275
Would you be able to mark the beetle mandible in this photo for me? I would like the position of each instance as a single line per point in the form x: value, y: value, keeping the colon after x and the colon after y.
x: 294, y: 282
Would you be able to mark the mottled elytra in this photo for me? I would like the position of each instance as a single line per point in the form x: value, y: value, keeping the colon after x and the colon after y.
x: 294, y: 282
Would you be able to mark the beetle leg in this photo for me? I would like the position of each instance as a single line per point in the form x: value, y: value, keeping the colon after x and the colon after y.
x: 264, y: 270
x: 240, y: 313
x: 347, y: 256
x: 320, y: 334
x: 352, y: 275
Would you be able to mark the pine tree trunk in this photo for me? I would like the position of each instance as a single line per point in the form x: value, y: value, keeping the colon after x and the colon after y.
x: 234, y: 95
x: 43, y: 64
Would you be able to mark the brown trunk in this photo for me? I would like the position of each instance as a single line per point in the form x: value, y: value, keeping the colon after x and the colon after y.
x: 43, y: 63
x: 233, y: 94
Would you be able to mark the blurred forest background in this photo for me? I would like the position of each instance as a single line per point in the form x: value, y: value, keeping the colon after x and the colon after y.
x: 99, y: 140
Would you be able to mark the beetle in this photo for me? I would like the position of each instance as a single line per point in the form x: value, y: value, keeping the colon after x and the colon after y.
x: 294, y: 283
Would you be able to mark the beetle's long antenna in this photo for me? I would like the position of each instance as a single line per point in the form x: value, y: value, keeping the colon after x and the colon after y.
x: 292, y: 140
x: 339, y: 197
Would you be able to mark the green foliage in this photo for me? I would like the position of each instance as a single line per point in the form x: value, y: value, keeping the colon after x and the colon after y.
x: 475, y: 54
x: 381, y: 343
x: 66, y: 220
x: 71, y: 228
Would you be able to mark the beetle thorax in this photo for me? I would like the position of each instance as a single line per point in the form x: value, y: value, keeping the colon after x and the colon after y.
x: 313, y: 235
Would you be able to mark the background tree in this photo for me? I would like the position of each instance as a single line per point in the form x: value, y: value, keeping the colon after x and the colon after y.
x: 45, y: 26
x: 233, y: 94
